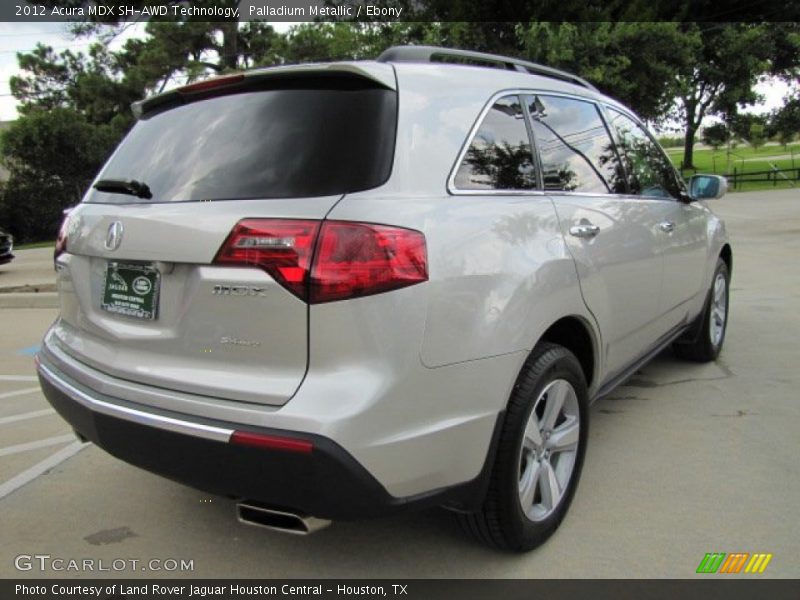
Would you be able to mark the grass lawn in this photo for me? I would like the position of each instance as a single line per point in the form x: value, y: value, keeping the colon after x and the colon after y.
x: 35, y: 245
x: 745, y: 160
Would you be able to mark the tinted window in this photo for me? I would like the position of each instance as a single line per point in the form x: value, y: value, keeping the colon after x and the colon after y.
x: 499, y: 157
x: 651, y: 172
x: 261, y: 144
x: 576, y: 151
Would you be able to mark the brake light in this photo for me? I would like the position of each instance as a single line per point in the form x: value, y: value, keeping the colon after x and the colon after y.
x: 210, y: 84
x: 350, y: 260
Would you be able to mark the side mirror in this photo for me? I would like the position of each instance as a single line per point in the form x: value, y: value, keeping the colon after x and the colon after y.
x: 707, y: 187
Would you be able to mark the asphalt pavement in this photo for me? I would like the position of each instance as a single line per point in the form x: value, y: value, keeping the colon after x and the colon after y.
x: 28, y: 281
x: 684, y: 460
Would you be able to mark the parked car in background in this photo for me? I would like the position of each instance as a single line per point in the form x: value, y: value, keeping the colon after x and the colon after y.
x: 343, y: 290
x: 6, y: 247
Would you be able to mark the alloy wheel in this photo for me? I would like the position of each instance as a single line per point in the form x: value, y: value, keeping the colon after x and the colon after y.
x: 549, y: 450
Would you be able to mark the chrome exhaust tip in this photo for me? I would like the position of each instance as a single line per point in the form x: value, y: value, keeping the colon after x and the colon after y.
x: 259, y: 515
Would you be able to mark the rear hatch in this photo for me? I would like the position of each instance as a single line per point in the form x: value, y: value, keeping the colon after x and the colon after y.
x: 142, y: 296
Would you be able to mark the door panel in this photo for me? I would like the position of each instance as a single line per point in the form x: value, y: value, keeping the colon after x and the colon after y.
x: 682, y: 232
x: 614, y: 238
x: 620, y: 269
x: 685, y: 260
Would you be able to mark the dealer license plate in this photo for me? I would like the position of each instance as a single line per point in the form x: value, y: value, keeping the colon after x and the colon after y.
x: 131, y: 289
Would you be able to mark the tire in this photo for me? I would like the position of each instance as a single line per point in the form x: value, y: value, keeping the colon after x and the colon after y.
x: 528, y: 465
x: 712, y: 323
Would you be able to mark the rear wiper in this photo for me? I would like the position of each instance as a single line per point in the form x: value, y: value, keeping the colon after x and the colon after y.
x: 124, y: 186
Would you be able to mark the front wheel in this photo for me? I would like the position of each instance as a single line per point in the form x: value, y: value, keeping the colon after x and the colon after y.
x: 713, y: 321
x: 539, y: 456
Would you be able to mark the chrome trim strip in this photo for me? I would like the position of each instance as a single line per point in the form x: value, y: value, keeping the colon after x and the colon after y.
x: 457, y: 192
x: 556, y: 193
x: 217, y: 434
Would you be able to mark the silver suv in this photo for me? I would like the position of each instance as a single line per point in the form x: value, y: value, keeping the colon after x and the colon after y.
x: 336, y: 291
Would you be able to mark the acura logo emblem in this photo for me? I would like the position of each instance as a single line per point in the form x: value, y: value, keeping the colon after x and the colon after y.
x: 114, y: 236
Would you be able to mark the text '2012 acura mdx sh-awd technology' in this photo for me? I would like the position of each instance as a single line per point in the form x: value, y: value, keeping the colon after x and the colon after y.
x: 341, y: 290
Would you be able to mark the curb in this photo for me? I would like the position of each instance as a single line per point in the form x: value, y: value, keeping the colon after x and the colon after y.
x: 29, y: 300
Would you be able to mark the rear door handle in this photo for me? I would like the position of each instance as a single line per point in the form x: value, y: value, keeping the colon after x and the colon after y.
x: 584, y: 231
x: 666, y: 226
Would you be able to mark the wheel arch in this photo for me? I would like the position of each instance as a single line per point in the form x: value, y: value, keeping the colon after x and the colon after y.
x: 726, y: 254
x: 575, y: 334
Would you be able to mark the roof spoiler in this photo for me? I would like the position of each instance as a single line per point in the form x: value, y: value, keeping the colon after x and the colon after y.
x: 382, y: 75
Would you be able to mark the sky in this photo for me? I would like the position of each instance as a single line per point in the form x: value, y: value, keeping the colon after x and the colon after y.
x: 21, y: 37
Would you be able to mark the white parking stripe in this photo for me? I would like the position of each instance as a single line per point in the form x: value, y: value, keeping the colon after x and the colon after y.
x: 40, y: 468
x: 18, y: 378
x: 26, y: 416
x: 51, y: 441
x: 20, y: 392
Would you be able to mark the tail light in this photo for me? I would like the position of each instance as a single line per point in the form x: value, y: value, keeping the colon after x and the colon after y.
x: 357, y: 259
x: 282, y: 248
x: 329, y: 260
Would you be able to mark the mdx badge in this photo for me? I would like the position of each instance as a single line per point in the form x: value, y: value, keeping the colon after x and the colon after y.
x: 238, y: 290
x: 114, y: 236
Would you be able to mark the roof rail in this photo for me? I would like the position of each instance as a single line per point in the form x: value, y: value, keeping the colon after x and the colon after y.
x: 427, y: 54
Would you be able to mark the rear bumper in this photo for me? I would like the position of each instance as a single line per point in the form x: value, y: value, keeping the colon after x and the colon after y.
x: 326, y: 482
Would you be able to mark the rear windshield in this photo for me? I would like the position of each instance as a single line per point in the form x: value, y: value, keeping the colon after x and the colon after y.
x: 277, y: 143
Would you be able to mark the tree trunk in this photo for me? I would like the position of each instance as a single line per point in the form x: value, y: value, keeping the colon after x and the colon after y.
x: 230, y: 46
x: 688, y: 147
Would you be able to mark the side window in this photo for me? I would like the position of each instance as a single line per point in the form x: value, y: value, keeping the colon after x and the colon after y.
x: 499, y: 157
x: 651, y: 173
x: 576, y: 150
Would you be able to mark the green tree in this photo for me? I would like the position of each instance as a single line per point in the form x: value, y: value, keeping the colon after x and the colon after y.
x: 52, y: 156
x: 91, y: 84
x: 192, y: 42
x: 745, y: 126
x: 728, y: 60
x: 785, y: 122
x: 634, y: 62
x: 755, y: 136
x: 74, y: 107
x: 86, y: 98
x: 326, y: 41
x: 716, y: 135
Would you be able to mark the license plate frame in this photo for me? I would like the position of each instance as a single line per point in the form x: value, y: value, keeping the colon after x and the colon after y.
x: 131, y: 289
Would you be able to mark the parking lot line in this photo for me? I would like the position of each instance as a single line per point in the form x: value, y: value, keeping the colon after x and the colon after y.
x: 40, y: 468
x: 18, y: 378
x: 51, y: 441
x: 25, y: 416
x: 20, y: 392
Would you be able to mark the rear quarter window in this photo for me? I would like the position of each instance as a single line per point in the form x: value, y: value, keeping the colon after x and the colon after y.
x: 499, y: 156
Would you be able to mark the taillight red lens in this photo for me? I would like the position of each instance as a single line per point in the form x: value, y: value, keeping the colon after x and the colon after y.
x: 359, y: 259
x: 281, y: 247
x: 351, y: 259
